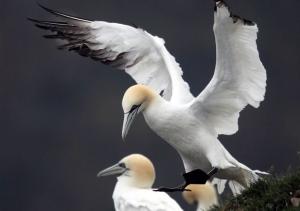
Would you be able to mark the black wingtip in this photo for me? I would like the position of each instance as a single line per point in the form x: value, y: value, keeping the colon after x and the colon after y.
x: 59, y: 14
x: 246, y: 22
x: 235, y: 18
x: 45, y: 8
x: 32, y: 20
x: 44, y: 22
x: 37, y: 23
x: 135, y: 26
x: 54, y: 36
x: 49, y: 10
x: 219, y: 4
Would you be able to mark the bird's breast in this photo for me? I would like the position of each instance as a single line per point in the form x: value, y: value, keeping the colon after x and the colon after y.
x: 174, y: 124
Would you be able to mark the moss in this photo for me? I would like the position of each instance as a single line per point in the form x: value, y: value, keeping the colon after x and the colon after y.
x: 270, y: 193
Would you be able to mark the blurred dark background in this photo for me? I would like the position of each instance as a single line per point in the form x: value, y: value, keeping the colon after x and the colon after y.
x: 61, y: 114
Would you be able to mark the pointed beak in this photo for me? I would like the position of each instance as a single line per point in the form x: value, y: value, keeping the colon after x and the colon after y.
x: 128, y: 120
x: 113, y: 170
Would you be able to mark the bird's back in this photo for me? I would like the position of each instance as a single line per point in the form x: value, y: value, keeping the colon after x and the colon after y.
x: 135, y: 199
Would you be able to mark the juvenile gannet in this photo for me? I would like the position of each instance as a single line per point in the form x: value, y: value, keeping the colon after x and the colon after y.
x: 190, y: 124
x: 133, y: 191
x: 205, y: 196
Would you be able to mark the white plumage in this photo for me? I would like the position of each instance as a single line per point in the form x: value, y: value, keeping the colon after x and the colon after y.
x: 239, y: 78
x: 191, y: 125
x: 134, y: 199
x: 133, y: 191
x: 142, y: 55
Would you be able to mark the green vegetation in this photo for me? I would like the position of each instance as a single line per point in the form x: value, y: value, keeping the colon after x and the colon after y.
x: 270, y: 193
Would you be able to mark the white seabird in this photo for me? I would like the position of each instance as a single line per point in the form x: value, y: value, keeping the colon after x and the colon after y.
x: 133, y: 192
x: 205, y: 196
x: 190, y: 124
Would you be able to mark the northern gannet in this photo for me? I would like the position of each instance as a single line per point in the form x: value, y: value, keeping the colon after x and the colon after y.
x: 133, y: 192
x: 190, y: 124
x: 205, y: 196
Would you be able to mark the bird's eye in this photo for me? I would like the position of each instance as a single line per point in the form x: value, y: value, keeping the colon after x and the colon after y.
x: 162, y: 93
x: 134, y: 107
x: 122, y: 165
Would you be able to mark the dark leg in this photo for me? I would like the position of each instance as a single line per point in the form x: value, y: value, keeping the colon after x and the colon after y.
x: 194, y: 177
x: 179, y: 188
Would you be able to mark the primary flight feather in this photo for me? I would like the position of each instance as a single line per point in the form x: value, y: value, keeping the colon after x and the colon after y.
x: 142, y: 55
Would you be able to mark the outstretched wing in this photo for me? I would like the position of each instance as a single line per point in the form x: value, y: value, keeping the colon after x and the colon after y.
x: 239, y: 78
x: 143, y: 56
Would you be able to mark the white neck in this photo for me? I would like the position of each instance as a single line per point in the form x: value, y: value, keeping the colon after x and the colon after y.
x: 125, y: 181
x: 123, y: 186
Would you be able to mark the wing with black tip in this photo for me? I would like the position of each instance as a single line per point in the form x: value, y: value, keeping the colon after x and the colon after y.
x: 239, y: 78
x: 142, y: 55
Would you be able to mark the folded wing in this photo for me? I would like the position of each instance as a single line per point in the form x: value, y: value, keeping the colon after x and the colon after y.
x: 239, y: 78
x: 143, y: 56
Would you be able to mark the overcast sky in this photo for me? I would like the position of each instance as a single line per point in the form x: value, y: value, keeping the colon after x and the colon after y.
x: 61, y: 114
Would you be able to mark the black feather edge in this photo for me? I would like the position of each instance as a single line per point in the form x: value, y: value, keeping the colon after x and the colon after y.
x: 64, y: 15
x: 235, y: 18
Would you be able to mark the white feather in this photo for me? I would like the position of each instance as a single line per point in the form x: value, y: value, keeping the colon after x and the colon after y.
x: 239, y: 78
x: 128, y: 198
x: 220, y: 183
x: 142, y: 55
